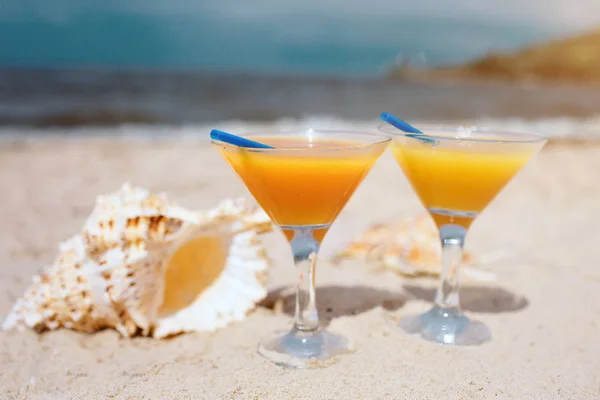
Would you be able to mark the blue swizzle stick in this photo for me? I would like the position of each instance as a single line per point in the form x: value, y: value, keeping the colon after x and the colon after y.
x: 236, y: 140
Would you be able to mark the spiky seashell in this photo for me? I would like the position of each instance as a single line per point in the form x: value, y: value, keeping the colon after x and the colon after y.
x: 144, y: 264
x: 411, y: 247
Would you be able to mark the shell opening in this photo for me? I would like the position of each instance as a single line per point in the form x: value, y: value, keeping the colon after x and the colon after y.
x: 195, y: 266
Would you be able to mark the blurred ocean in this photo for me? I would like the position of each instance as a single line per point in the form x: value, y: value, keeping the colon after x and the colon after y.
x: 150, y: 67
x: 72, y: 101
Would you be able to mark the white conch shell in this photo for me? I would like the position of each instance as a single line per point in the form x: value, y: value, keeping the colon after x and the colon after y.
x: 143, y: 264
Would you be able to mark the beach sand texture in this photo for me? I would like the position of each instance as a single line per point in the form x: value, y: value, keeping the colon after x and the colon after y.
x: 543, y: 310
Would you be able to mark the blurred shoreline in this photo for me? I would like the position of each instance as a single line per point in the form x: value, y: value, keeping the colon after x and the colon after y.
x: 561, y: 132
x: 104, y: 97
x: 145, y: 104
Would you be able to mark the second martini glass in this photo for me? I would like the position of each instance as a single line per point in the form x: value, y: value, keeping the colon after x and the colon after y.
x: 303, y: 183
x: 457, y: 172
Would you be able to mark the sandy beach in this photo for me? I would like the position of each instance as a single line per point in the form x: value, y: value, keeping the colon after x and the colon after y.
x: 543, y: 309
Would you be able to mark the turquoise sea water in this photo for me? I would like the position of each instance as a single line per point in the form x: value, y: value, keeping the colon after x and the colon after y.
x: 312, y: 44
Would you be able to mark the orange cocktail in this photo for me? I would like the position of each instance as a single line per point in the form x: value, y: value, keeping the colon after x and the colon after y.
x: 303, y: 182
x: 456, y: 172
x: 306, y: 185
x: 456, y: 184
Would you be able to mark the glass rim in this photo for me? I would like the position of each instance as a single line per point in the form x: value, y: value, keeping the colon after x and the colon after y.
x: 518, y: 136
x: 380, y: 138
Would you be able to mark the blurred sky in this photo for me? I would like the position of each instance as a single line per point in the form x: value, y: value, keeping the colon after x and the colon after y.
x: 312, y: 36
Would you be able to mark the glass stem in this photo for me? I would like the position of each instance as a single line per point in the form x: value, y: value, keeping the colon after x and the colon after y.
x: 453, y: 239
x: 305, y: 249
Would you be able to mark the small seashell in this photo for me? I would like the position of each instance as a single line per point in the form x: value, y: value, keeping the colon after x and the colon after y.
x: 143, y: 264
x: 410, y: 247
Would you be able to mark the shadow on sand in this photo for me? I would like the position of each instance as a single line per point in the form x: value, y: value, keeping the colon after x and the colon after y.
x: 483, y: 299
x: 337, y: 301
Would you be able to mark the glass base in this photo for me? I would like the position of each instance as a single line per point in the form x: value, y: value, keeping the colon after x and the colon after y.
x: 446, y: 327
x: 304, y: 349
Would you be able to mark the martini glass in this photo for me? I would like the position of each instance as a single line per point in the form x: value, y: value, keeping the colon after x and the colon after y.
x: 303, y: 183
x: 457, y: 172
